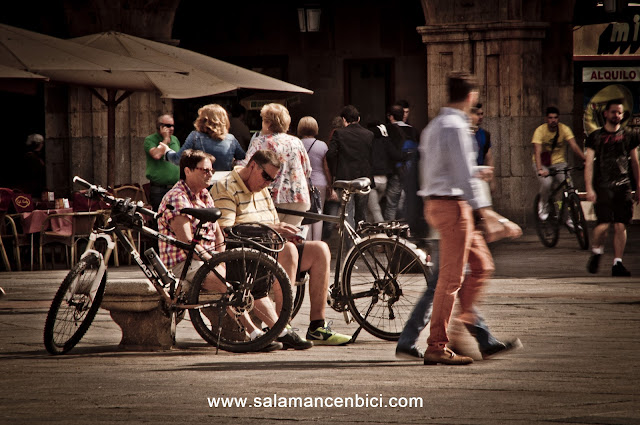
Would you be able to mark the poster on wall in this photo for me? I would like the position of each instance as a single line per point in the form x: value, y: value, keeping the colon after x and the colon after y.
x: 601, y: 84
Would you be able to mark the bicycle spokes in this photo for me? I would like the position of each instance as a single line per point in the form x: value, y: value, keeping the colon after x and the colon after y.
x: 383, y: 280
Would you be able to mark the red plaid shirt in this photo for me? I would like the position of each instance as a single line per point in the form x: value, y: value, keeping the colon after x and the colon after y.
x: 180, y: 196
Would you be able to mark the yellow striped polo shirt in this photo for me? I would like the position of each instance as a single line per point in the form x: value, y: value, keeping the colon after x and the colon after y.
x: 239, y: 205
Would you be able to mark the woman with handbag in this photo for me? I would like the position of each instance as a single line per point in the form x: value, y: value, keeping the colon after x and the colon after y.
x: 320, y: 177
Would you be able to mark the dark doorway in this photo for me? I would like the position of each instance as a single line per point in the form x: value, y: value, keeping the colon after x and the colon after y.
x: 369, y: 87
x: 23, y: 114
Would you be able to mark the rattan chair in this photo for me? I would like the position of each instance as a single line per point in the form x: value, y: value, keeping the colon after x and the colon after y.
x: 81, y: 224
x: 14, y: 237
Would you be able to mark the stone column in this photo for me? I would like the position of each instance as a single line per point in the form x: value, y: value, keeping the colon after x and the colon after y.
x: 506, y: 58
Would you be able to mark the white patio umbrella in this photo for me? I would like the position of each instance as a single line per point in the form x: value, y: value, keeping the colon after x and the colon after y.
x: 19, y: 81
x: 7, y: 72
x: 69, y: 62
x: 206, y: 75
x: 64, y: 60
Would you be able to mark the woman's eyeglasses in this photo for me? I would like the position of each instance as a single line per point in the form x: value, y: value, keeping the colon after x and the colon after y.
x: 206, y: 170
x: 265, y: 175
x: 167, y: 125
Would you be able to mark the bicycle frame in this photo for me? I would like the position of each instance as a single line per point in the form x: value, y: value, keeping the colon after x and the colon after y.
x: 170, y: 301
x: 337, y: 290
x: 565, y: 187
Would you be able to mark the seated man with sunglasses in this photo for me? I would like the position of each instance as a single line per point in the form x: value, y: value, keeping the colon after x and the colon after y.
x: 161, y: 174
x: 243, y: 197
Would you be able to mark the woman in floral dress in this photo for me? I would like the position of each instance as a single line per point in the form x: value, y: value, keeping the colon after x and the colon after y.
x: 290, y: 189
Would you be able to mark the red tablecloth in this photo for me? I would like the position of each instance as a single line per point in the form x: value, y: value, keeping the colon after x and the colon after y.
x: 32, y: 221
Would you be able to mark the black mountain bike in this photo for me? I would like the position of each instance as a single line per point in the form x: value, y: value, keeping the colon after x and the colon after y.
x: 565, y: 211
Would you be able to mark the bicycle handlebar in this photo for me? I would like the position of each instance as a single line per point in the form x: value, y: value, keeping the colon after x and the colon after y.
x: 565, y: 170
x: 111, y: 200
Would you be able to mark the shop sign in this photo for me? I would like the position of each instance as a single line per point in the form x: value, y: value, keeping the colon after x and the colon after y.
x: 610, y: 74
x: 613, y: 39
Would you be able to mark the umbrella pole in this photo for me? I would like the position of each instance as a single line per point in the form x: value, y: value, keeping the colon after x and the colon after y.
x: 111, y: 102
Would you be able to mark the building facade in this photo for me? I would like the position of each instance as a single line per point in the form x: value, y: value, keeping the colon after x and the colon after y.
x: 527, y: 55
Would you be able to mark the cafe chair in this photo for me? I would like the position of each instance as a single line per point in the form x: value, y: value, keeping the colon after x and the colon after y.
x: 5, y: 236
x: 13, y: 237
x: 147, y: 191
x: 67, y: 229
x: 133, y: 192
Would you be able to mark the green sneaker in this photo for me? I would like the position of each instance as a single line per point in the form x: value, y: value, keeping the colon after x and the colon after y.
x: 325, y: 336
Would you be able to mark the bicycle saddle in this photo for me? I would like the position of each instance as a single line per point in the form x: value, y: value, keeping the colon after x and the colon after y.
x: 203, y: 214
x: 361, y: 183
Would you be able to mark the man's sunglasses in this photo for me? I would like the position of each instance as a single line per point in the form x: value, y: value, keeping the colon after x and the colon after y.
x: 167, y: 125
x: 265, y: 175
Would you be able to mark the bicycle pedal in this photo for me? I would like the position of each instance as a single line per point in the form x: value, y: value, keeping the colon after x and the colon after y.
x: 348, y: 318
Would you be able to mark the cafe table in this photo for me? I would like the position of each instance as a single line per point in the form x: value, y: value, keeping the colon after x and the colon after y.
x: 32, y: 222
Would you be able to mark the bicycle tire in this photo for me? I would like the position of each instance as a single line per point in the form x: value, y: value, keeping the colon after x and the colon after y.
x: 72, y: 309
x: 580, y: 226
x: 382, y: 282
x: 250, y: 267
x: 548, y: 230
x: 298, y: 299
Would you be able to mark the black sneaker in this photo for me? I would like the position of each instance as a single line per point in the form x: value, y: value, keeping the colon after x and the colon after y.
x: 273, y: 346
x: 293, y: 340
x: 593, y: 263
x: 619, y: 270
x: 501, y: 347
x: 409, y: 353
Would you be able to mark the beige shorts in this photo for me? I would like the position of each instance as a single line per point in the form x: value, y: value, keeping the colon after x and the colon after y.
x: 193, y: 269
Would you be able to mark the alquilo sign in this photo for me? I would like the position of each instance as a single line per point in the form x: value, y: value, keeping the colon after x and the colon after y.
x: 610, y: 74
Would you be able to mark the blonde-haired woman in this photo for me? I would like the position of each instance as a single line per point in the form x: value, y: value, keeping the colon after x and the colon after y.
x: 290, y: 189
x: 320, y: 177
x: 212, y: 136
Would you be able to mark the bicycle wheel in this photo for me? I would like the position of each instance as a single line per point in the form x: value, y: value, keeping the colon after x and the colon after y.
x: 548, y: 230
x: 382, y: 282
x: 73, y: 309
x: 298, y: 299
x: 246, y: 271
x: 580, y: 227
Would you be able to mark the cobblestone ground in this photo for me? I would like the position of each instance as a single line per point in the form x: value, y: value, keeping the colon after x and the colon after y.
x: 579, y: 364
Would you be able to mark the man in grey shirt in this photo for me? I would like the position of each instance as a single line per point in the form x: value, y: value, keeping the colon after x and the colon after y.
x: 451, y: 183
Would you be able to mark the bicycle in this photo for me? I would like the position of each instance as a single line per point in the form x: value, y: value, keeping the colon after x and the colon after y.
x: 215, y: 314
x: 383, y: 275
x: 549, y: 229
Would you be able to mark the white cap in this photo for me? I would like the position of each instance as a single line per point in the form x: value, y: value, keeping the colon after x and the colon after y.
x: 34, y: 139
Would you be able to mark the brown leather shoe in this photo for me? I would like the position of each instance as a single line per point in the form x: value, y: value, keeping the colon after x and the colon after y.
x: 445, y: 357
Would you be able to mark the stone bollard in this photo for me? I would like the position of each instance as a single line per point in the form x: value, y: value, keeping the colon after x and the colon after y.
x: 135, y: 306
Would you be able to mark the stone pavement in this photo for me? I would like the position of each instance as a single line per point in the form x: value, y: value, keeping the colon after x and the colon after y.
x: 579, y: 364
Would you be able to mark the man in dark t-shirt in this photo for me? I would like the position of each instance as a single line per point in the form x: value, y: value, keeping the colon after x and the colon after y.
x: 612, y: 153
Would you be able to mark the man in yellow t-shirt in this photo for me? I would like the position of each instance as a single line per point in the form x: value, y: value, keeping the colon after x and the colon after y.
x: 550, y: 144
